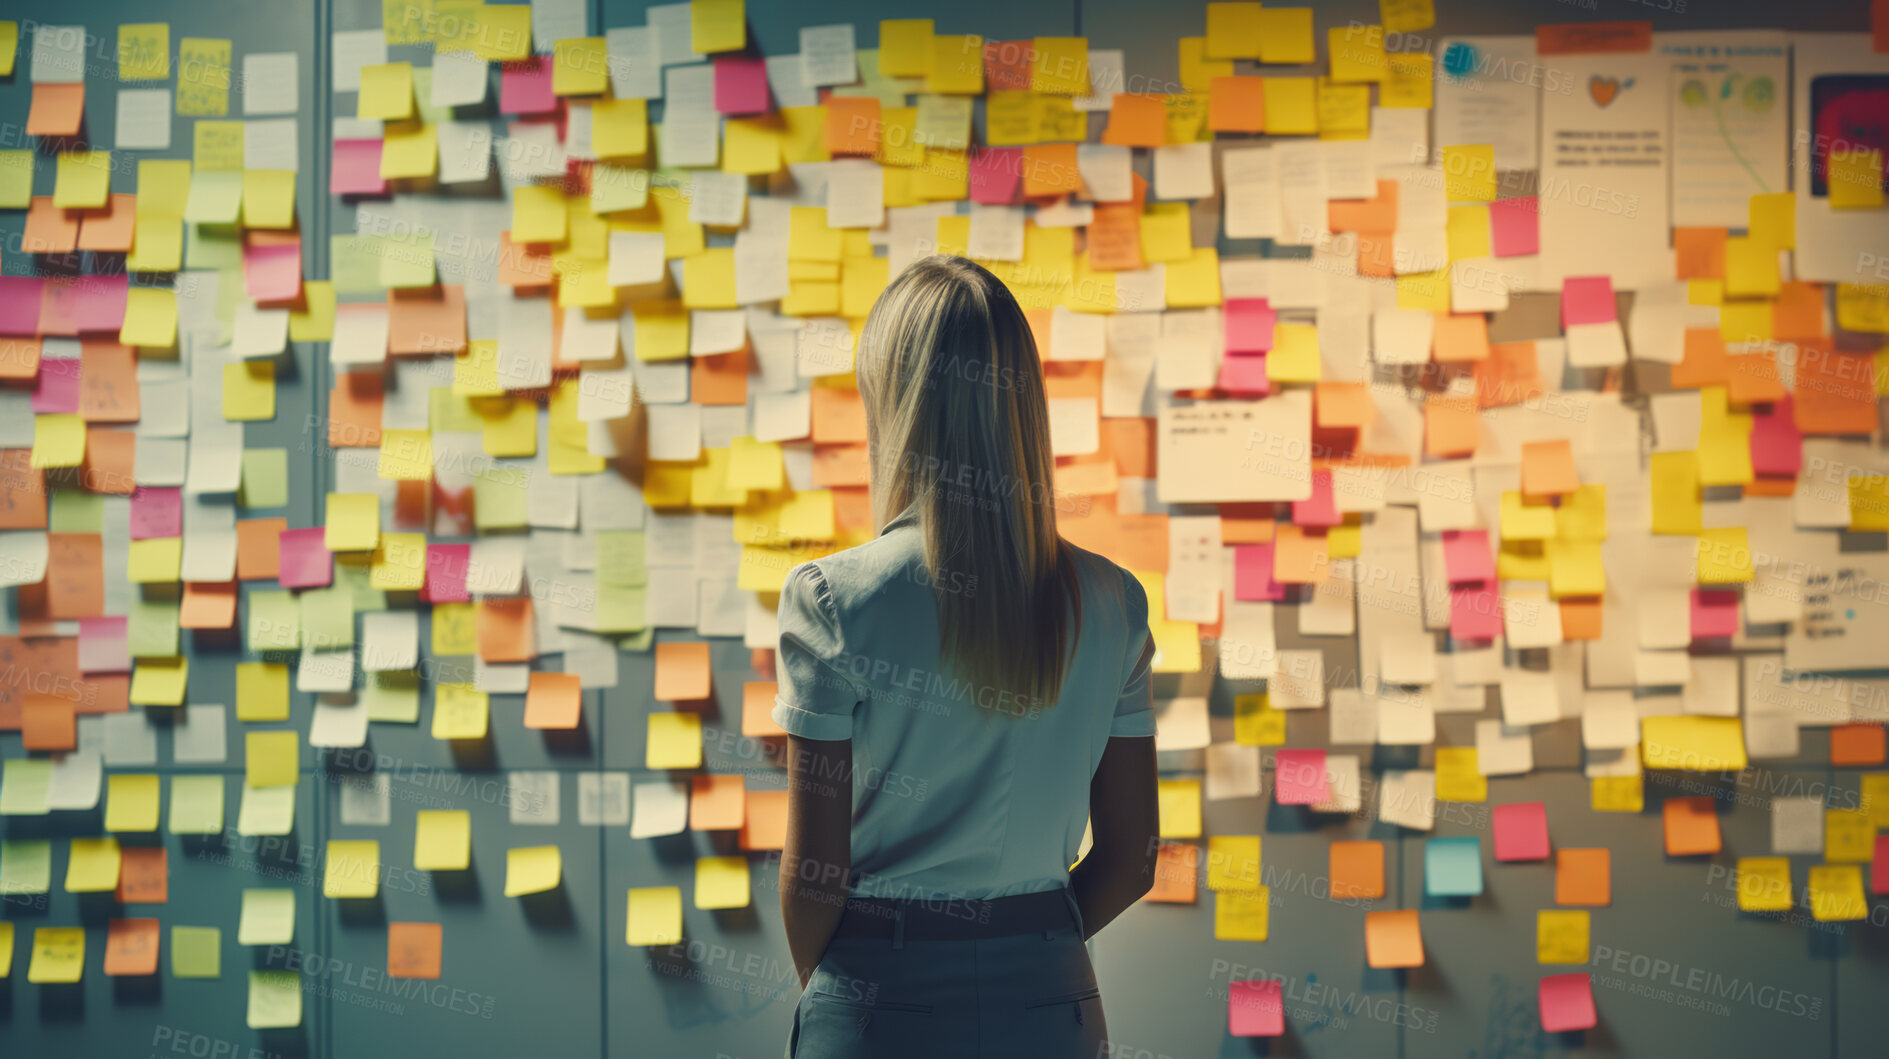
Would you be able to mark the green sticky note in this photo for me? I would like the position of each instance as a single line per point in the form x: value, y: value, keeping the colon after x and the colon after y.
x: 275, y: 622
x: 640, y: 642
x: 275, y: 1000
x: 26, y: 866
x: 213, y: 247
x: 16, y: 179
x: 23, y: 787
x: 411, y: 266
x: 151, y: 628
x: 392, y: 696
x: 354, y: 573
x: 500, y: 500
x: 327, y: 618
x: 196, y: 805
x: 354, y: 264
x: 268, y: 917
x: 196, y: 952
x: 620, y: 608
x: 265, y: 478
x: 74, y: 511
x: 620, y: 558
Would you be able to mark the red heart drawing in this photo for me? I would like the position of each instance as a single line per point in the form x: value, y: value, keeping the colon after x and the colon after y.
x: 1603, y: 89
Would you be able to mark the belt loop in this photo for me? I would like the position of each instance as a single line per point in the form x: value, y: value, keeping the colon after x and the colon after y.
x: 898, y: 926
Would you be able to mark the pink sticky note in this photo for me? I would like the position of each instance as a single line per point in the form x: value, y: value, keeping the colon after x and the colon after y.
x: 156, y: 511
x: 1567, y: 1003
x: 524, y: 87
x: 1466, y: 556
x: 1587, y: 300
x: 446, y: 573
x: 1256, y: 1009
x: 272, y: 272
x: 1515, y: 227
x: 1714, y: 613
x: 1322, y: 508
x: 1879, y: 868
x: 84, y: 303
x: 56, y: 389
x: 356, y: 169
x: 741, y: 85
x: 1521, y: 831
x: 20, y: 297
x: 1777, y: 447
x: 1249, y: 323
x: 104, y: 645
x: 305, y: 559
x: 996, y: 173
x: 1475, y: 611
x: 1252, y: 574
x: 1299, y: 777
x: 1244, y: 373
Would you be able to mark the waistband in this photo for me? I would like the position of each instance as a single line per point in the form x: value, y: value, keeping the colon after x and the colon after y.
x: 958, y: 919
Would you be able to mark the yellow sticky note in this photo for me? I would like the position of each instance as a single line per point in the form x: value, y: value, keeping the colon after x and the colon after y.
x: 1574, y: 568
x: 721, y: 882
x: 144, y: 51
x: 1849, y: 836
x: 353, y: 868
x: 749, y: 145
x: 16, y: 179
x: 83, y: 180
x: 1294, y: 356
x: 262, y: 691
x: 655, y: 915
x: 1836, y: 893
x: 131, y: 802
x: 1692, y: 743
x: 1677, y: 504
x: 1241, y: 915
x: 58, y: 955
x: 409, y: 150
x: 455, y: 629
x: 1561, y: 935
x: 203, y: 82
x: 532, y: 870
x: 905, y: 47
x: 1255, y: 723
x: 538, y: 215
x: 151, y: 316
x: 1291, y: 106
x: 249, y: 391
x: 58, y: 440
x: 754, y: 464
x: 353, y: 522
x: 6, y: 948
x: 1193, y: 281
x: 1764, y: 884
x: 159, y: 681
x: 1233, y: 862
x: 1357, y: 52
x: 1344, y: 111
x: 386, y: 92
x: 267, y: 917
x: 1863, y: 307
x: 1855, y: 180
x: 1406, y: 16
x: 9, y: 47
x: 442, y: 840
x: 1617, y: 794
x: 708, y: 279
x: 1876, y: 797
x: 499, y: 32
x: 1773, y: 219
x: 315, y: 321
x: 1725, y: 556
x: 1429, y: 291
x: 399, y: 563
x: 1458, y: 779
x: 1166, y: 233
x: 1061, y: 66
x: 718, y: 25
x: 1180, y: 808
x: 269, y: 198
x: 1469, y: 232
x: 1234, y: 30
x: 674, y: 741
x: 619, y: 128
x: 1286, y: 36
x: 271, y: 758
x: 93, y: 866
x: 956, y: 66
x: 1198, y: 71
x: 460, y: 711
x: 1751, y: 268
x: 406, y: 455
x: 1469, y: 173
x: 579, y: 67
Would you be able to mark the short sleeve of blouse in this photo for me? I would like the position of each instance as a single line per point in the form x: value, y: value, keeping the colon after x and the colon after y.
x: 816, y: 699
x: 1134, y: 710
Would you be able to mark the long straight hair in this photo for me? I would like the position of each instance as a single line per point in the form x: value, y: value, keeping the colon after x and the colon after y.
x: 957, y: 427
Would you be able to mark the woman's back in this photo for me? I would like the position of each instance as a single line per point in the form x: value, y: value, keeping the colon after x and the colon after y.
x: 959, y: 790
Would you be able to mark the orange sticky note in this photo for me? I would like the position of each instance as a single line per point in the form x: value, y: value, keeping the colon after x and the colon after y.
x: 1176, y: 871
x: 1377, y: 214
x: 48, y: 722
x: 131, y: 947
x: 720, y: 378
x: 1583, y: 876
x: 1856, y: 745
x: 413, y: 950
x: 49, y: 229
x: 208, y: 605
x: 1835, y: 392
x: 1460, y: 337
x: 1393, y: 939
x: 1357, y: 870
x: 554, y: 700
x: 682, y: 672
x: 1237, y: 104
x: 1050, y: 169
x: 1587, y: 38
x: 143, y: 875
x: 110, y: 229
x: 1452, y: 424
x: 1699, y: 253
x: 1299, y: 557
x: 1342, y: 404
x: 765, y: 825
x: 1136, y: 120
x: 1548, y: 468
x: 852, y: 125
x: 1691, y: 826
x: 505, y: 629
x: 259, y: 548
x: 717, y: 803
x: 58, y: 109
x: 757, y: 709
x: 108, y: 382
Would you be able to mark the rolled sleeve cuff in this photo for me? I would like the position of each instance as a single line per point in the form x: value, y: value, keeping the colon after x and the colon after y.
x: 826, y: 727
x: 1128, y: 725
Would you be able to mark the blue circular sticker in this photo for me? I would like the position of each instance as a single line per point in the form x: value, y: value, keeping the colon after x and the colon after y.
x: 1459, y: 59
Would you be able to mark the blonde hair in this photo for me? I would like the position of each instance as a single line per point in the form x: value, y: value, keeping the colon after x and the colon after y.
x: 957, y: 426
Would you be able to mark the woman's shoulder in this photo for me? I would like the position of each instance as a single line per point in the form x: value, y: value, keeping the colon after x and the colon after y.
x: 1116, y: 586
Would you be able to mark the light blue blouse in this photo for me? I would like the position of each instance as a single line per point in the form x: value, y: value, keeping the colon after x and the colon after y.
x: 957, y: 793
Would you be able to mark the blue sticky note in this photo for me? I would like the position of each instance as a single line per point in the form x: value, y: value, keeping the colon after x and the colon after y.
x: 1452, y: 867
